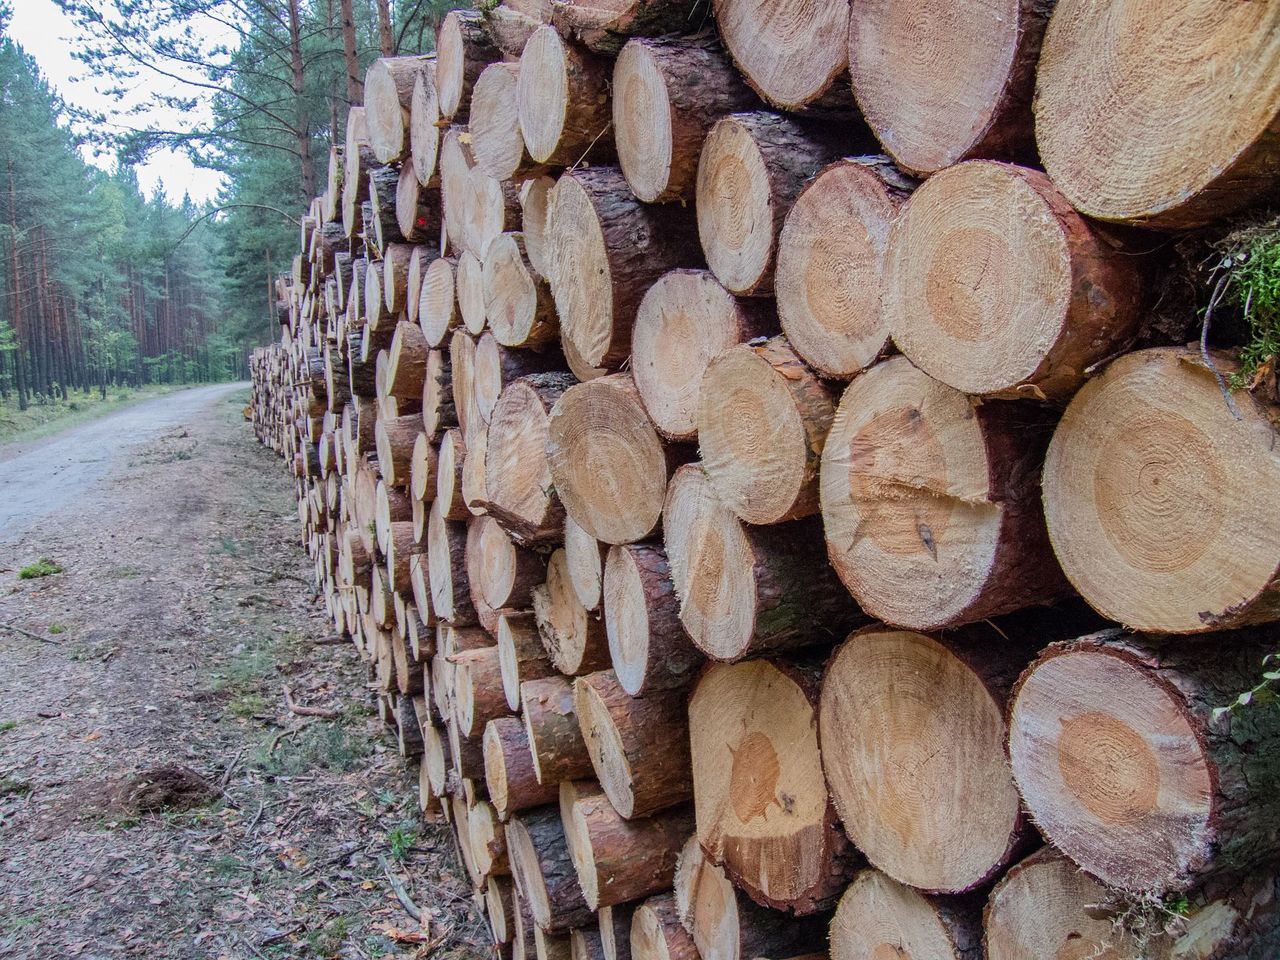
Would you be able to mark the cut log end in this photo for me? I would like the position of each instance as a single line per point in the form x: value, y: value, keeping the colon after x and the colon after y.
x: 879, y: 917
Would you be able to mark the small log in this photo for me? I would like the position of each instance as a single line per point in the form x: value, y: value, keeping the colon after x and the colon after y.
x: 488, y: 840
x: 657, y: 934
x: 554, y: 734
x: 669, y: 92
x: 455, y: 165
x: 462, y: 356
x: 648, y: 646
x: 584, y: 557
x: 605, y: 28
x: 507, y: 573
x: 639, y: 747
x: 931, y: 504
x: 521, y: 653
x: 830, y: 260
x: 609, y: 467
x: 407, y: 361
x: 438, y: 312
x: 388, y: 94
x: 424, y: 130
x: 575, y: 640
x: 877, y: 911
x: 400, y: 547
x: 604, y: 250
x: 573, y: 126
x: 477, y: 574
x: 519, y: 485
x: 467, y: 754
x: 394, y: 440
x: 619, y: 860
x: 544, y: 873
x: 517, y: 303
x: 615, y: 930
x: 685, y: 321
x: 422, y: 469
x: 752, y: 168
x: 763, y: 418
x: 534, y: 202
x: 417, y: 208
x: 499, y: 907
x: 1067, y: 300
x: 509, y: 775
x: 496, y: 140
x: 453, y: 456
x: 477, y: 685
x: 446, y: 557
x: 469, y: 286
x: 747, y: 590
x: 585, y: 944
x: 764, y: 813
x: 496, y: 366
x: 463, y: 51
x: 473, y: 475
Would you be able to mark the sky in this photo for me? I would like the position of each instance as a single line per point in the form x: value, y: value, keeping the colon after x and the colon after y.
x: 47, y: 35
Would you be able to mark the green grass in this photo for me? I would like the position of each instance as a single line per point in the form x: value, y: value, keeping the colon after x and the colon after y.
x: 42, y: 419
x: 322, y: 744
x: 7, y: 725
x: 11, y: 787
x: 1250, y: 275
x: 44, y: 567
x: 57, y: 628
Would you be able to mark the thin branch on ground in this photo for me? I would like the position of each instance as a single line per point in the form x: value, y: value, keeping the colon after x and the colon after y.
x: 28, y: 633
x: 327, y: 713
x: 411, y: 908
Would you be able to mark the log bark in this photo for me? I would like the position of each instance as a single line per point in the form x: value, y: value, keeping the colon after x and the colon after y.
x: 517, y: 303
x: 510, y: 24
x: 609, y: 467
x: 543, y: 871
x: 563, y: 101
x: 604, y: 250
x: 764, y: 813
x: 1124, y: 767
x: 982, y: 66
x: 830, y: 260
x: 605, y: 28
x: 522, y: 655
x: 1164, y: 476
x: 877, y: 912
x: 1166, y: 162
x: 656, y: 932
x: 384, y: 184
x: 446, y: 554
x: 639, y: 747
x: 619, y: 860
x: 388, y: 94
x: 555, y: 736
x: 752, y: 168
x: 685, y: 321
x: 648, y: 645
x: 763, y: 418
x: 668, y: 93
x: 509, y: 772
x: 906, y: 762
x: 521, y: 491
x: 463, y: 51
x: 748, y: 590
x: 575, y: 640
x: 438, y: 311
x: 791, y: 61
x: 494, y: 123
x: 931, y: 504
x: 1063, y: 300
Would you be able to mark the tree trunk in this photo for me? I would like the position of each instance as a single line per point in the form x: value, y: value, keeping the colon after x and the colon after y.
x: 301, y: 128
x: 386, y: 34
x: 648, y: 645
x: 747, y: 590
x: 685, y: 321
x: 575, y: 640
x: 555, y: 736
x: 565, y: 130
x: 877, y: 911
x: 351, y: 59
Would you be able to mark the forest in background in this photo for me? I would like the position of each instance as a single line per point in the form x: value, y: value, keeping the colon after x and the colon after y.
x: 103, y: 286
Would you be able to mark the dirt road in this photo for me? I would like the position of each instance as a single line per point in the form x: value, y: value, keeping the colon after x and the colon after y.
x: 157, y: 799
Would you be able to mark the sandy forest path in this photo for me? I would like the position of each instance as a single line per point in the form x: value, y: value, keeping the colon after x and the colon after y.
x: 157, y: 798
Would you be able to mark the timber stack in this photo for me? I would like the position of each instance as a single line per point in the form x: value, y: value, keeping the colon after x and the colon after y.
x: 739, y: 446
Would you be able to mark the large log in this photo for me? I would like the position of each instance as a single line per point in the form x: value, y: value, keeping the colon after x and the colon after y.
x: 517, y: 302
x: 1151, y: 490
x: 543, y: 871
x: 994, y: 285
x: 605, y: 249
x: 747, y: 590
x: 790, y: 57
x: 763, y: 418
x: 879, y: 917
x: 1126, y: 769
x: 563, y: 101
x: 970, y: 98
x: 519, y: 468
x: 494, y: 124
x: 648, y: 646
x: 388, y: 94
x: 752, y: 167
x: 668, y: 93
x: 830, y: 260
x: 555, y: 736
x: 609, y: 466
x: 764, y: 813
x: 521, y: 653
x: 931, y: 504
x: 508, y: 769
x: 463, y: 51
x: 639, y: 747
x: 575, y: 639
x: 912, y: 733
x: 619, y: 860
x: 685, y: 321
x: 1131, y: 128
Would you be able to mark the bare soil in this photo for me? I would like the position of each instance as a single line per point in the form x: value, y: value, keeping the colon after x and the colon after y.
x: 157, y: 797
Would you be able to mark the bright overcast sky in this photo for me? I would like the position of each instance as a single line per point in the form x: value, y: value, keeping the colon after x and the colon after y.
x: 47, y: 35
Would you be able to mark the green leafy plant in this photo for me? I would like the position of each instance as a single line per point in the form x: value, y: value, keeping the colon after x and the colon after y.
x: 1249, y: 281
x: 1263, y: 692
x: 44, y: 567
x: 401, y: 840
x: 57, y: 628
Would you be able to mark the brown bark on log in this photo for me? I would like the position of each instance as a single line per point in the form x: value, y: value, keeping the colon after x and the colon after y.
x: 657, y: 934
x: 604, y: 28
x: 605, y: 249
x: 575, y: 126
x: 544, y: 872
x: 521, y: 652
x: 464, y: 50
x: 555, y: 736
x: 388, y: 94
x: 509, y: 771
x: 648, y: 645
x: 639, y: 747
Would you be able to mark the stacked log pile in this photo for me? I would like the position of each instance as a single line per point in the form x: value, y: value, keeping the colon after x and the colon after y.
x: 769, y: 545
